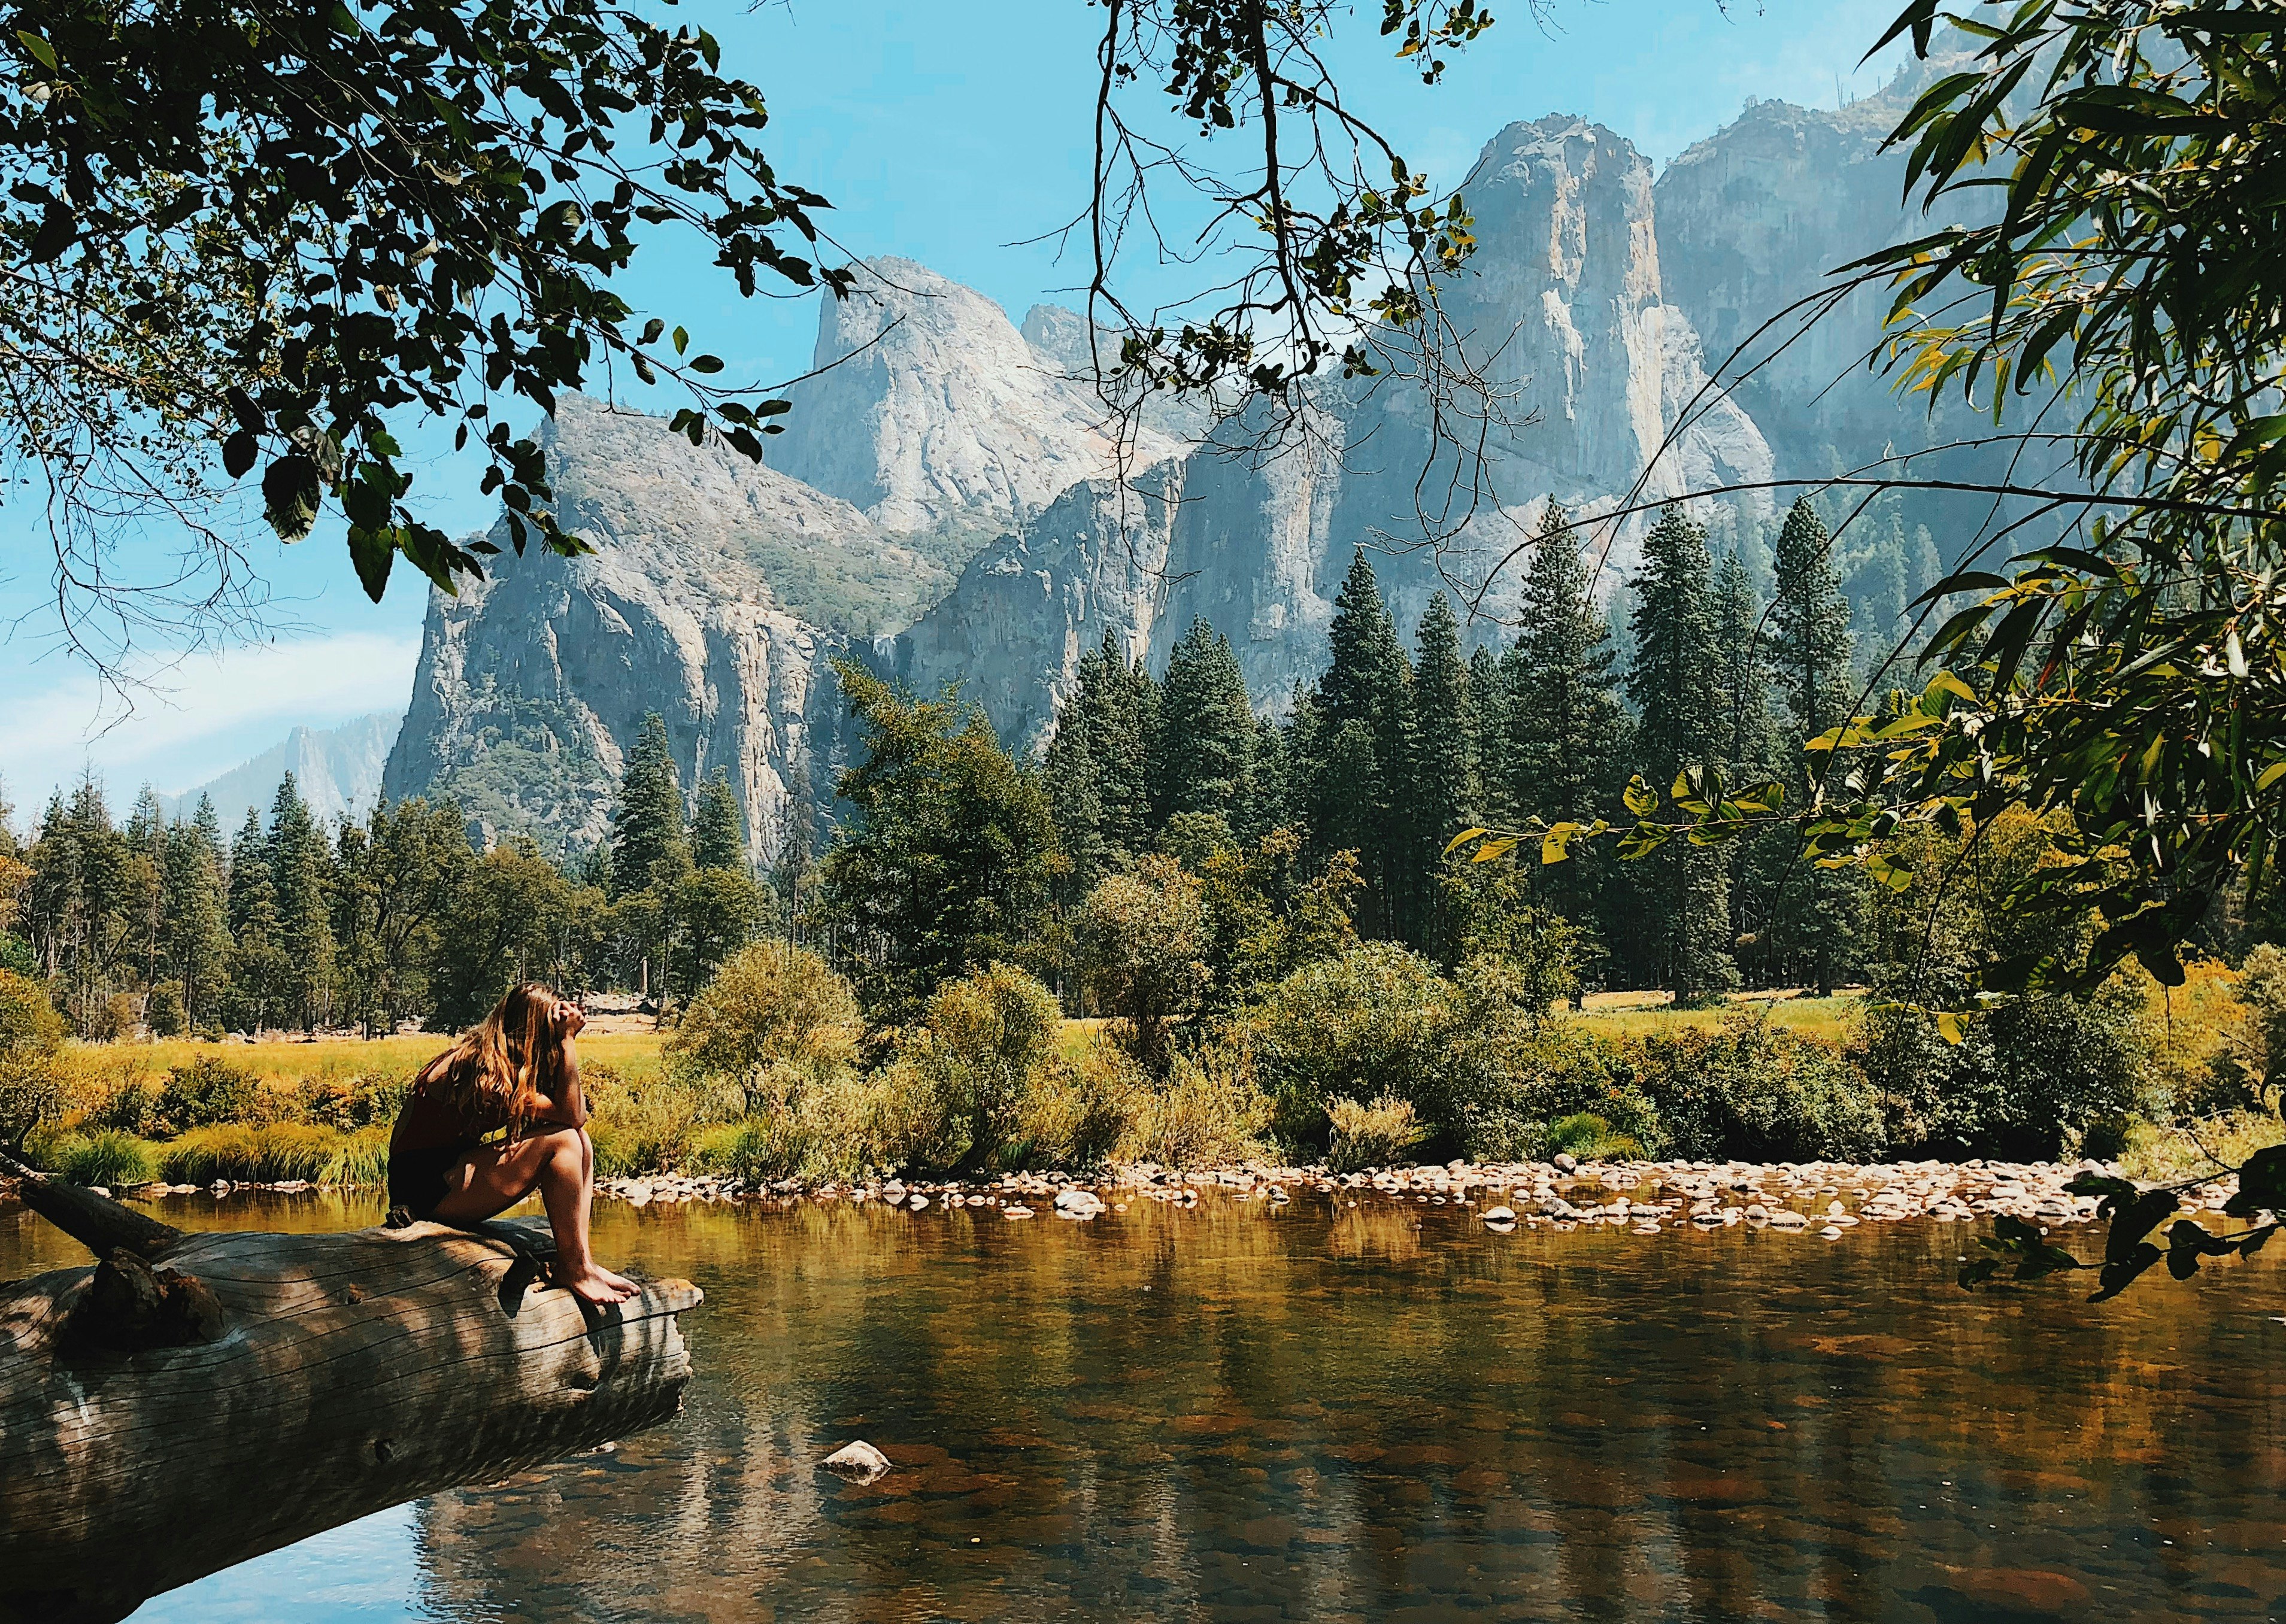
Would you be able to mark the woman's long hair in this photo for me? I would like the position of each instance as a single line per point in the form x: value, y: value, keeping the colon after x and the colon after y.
x: 498, y: 1069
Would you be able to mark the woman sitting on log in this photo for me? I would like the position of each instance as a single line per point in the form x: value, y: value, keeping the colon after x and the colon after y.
x: 515, y: 1075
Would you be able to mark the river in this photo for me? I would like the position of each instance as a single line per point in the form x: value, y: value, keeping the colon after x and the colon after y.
x: 1322, y: 1411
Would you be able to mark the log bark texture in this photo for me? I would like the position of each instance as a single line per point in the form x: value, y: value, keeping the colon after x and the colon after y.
x: 193, y: 1400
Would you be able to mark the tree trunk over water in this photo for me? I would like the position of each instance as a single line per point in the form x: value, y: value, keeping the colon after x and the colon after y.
x: 193, y: 1400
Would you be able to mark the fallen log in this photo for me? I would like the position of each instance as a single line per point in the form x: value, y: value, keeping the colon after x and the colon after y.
x: 189, y: 1401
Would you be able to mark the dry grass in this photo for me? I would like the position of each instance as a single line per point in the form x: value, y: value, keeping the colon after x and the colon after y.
x: 1644, y: 1014
x: 99, y: 1068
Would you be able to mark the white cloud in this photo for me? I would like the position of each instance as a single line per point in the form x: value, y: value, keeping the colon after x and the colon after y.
x: 199, y: 717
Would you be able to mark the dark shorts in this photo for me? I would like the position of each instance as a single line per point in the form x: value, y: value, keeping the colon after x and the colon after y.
x: 416, y: 1178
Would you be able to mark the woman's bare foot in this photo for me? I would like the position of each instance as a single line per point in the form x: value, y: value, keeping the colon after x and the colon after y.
x: 598, y: 1286
x: 617, y: 1278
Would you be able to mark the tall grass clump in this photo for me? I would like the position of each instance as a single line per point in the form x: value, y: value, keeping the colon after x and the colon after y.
x: 242, y: 1153
x: 106, y: 1157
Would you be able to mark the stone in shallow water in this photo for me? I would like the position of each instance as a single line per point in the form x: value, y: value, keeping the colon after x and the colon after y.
x: 1499, y: 1215
x: 859, y: 1463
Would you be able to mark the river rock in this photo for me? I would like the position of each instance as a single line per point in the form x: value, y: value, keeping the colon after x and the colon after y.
x: 1073, y: 1203
x: 1567, y: 1161
x: 859, y: 1463
x: 1499, y: 1215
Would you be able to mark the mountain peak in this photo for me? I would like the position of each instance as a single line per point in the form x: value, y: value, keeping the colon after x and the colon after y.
x: 931, y: 409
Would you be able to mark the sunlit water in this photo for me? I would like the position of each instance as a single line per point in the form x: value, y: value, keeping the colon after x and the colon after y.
x: 1320, y: 1413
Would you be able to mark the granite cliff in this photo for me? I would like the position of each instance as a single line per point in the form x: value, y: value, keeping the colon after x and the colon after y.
x: 953, y: 502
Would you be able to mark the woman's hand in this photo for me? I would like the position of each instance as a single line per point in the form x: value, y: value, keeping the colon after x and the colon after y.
x: 570, y: 1017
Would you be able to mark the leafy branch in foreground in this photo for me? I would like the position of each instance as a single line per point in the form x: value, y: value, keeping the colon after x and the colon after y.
x: 265, y: 229
x: 2128, y: 1252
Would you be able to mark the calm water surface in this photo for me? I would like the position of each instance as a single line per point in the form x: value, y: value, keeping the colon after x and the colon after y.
x: 1320, y: 1412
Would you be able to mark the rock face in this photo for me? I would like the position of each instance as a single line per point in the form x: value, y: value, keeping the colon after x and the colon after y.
x: 336, y: 769
x: 532, y: 685
x: 1592, y: 390
x: 936, y: 412
x: 1751, y: 221
x: 946, y: 501
x: 1564, y: 303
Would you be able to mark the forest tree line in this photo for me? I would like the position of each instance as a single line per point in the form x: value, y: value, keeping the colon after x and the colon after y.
x: 949, y: 854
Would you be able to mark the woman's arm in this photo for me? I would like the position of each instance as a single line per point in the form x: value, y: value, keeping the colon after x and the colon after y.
x: 569, y: 1107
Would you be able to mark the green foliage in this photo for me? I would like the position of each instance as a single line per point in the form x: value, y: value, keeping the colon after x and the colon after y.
x: 1558, y: 756
x: 1590, y: 1138
x: 1212, y: 1111
x: 1357, y: 737
x: 947, y: 862
x: 207, y: 1091
x: 2026, y: 1080
x: 1100, y: 764
x: 1752, y: 1089
x: 238, y: 1153
x: 647, y: 1125
x: 773, y: 1002
x: 2129, y: 679
x: 982, y: 1045
x: 1675, y: 682
x: 718, y: 829
x: 514, y: 917
x: 1076, y: 1112
x: 1373, y: 1135
x: 1206, y: 722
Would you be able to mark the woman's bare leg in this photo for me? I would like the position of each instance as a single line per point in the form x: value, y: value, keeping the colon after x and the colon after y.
x: 560, y: 1165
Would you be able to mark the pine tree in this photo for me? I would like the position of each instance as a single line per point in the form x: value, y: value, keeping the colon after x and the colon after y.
x: 1098, y: 766
x: 647, y: 829
x: 195, y: 939
x: 718, y: 833
x: 1203, y: 748
x: 1748, y: 740
x: 1809, y: 628
x: 1749, y: 751
x: 1368, y: 686
x: 301, y: 871
x: 1819, y: 911
x: 1443, y: 794
x: 1491, y: 707
x: 1674, y: 682
x: 142, y: 883
x: 1567, y: 733
x: 257, y: 960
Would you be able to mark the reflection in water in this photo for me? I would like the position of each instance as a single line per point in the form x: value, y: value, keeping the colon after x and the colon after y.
x: 1381, y: 1413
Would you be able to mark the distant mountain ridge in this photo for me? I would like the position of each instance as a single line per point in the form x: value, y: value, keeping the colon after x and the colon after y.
x: 953, y: 503
x: 337, y: 770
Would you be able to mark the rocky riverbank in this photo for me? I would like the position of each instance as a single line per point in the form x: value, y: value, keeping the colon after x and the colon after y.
x: 1822, y: 1198
x: 1827, y: 1199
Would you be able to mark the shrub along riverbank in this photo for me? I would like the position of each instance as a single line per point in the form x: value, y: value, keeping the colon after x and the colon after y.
x: 1371, y: 1056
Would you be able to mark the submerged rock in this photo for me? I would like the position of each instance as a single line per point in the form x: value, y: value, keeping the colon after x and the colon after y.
x: 859, y: 1463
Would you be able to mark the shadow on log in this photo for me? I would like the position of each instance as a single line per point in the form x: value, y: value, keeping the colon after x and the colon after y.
x: 193, y: 1400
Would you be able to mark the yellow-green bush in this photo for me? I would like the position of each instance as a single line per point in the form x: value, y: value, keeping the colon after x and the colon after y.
x: 1373, y: 1135
x: 651, y: 1124
x: 1075, y: 1112
x: 954, y: 1099
x: 1212, y: 1111
x: 31, y: 1033
x: 769, y: 1003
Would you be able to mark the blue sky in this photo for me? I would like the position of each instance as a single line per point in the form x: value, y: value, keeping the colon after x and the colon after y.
x: 948, y: 132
